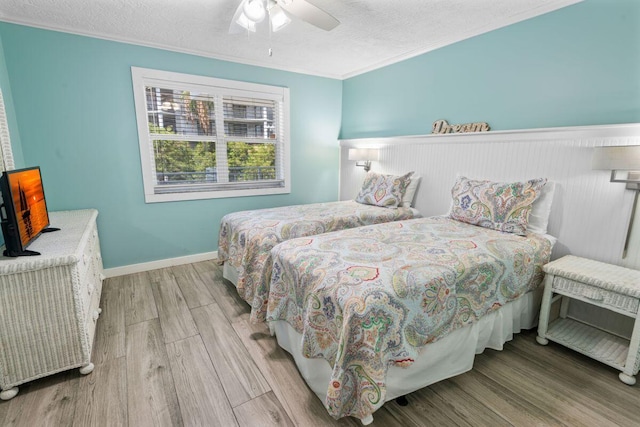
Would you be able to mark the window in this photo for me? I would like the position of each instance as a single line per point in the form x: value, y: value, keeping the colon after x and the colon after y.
x: 6, y: 155
x: 202, y: 137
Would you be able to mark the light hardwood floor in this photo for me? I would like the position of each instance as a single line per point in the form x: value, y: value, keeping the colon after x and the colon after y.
x: 175, y: 347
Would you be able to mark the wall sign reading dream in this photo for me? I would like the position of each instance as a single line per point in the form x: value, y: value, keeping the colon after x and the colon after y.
x: 441, y: 126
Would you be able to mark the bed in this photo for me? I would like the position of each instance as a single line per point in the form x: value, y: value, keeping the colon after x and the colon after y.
x: 246, y: 238
x: 376, y: 312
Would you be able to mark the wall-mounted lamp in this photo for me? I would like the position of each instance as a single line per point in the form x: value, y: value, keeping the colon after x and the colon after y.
x: 624, y: 163
x: 364, y: 156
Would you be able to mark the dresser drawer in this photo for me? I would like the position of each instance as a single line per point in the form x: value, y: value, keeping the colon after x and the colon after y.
x: 90, y: 271
x: 92, y: 318
x: 88, y: 254
x: 595, y: 295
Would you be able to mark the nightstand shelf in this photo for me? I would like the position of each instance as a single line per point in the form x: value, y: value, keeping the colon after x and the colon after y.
x: 590, y: 341
x: 604, y: 285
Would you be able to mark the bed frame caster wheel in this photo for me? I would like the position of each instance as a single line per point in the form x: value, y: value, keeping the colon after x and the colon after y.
x: 402, y: 401
x: 9, y: 394
x: 627, y: 379
x: 542, y: 340
x: 85, y: 370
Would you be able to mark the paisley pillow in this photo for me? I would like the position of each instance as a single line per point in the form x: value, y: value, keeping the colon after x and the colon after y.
x: 496, y: 205
x: 383, y: 190
x: 407, y: 200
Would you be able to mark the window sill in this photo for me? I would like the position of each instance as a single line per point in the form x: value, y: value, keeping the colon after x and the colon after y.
x: 220, y: 194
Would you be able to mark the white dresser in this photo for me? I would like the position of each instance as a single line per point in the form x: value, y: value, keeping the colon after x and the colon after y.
x: 49, y: 304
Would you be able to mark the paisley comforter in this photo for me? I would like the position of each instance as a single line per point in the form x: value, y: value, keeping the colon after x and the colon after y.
x: 371, y: 297
x: 246, y: 238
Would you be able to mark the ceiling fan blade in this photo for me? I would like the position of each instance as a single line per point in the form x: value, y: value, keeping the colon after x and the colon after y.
x: 309, y: 13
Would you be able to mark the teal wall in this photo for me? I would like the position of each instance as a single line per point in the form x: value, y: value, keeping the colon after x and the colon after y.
x: 73, y: 101
x: 579, y: 65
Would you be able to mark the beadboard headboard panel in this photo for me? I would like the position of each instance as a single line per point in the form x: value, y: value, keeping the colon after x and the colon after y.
x: 589, y: 215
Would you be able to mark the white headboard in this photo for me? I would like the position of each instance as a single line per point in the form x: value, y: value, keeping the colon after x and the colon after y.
x: 589, y: 215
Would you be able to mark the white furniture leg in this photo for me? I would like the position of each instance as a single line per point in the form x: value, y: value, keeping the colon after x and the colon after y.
x: 543, y: 322
x: 87, y: 369
x: 8, y: 394
x: 626, y: 376
x: 627, y: 379
x: 367, y: 420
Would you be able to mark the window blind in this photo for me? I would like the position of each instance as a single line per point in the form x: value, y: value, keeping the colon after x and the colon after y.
x: 207, y: 138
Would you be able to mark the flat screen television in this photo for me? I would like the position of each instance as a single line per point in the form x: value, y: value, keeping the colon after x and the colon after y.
x: 23, y: 211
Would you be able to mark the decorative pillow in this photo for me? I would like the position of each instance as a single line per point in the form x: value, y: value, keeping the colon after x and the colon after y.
x: 497, y: 205
x: 383, y: 190
x: 539, y: 216
x: 407, y: 200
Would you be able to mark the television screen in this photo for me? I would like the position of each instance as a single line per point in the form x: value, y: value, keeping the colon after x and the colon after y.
x: 25, y: 208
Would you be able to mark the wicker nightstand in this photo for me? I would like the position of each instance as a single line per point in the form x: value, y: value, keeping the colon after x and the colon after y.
x: 608, y: 286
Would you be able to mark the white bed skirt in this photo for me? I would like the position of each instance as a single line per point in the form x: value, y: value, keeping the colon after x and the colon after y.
x: 230, y: 273
x: 445, y: 358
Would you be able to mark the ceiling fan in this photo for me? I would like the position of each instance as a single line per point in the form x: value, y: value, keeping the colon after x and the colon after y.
x: 279, y: 12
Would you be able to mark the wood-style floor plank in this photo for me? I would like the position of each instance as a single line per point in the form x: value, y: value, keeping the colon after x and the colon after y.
x: 240, y: 377
x: 102, y: 396
x: 425, y: 408
x: 139, y: 303
x: 263, y: 411
x: 193, y: 289
x: 591, y: 377
x: 464, y: 405
x: 422, y: 413
x: 202, y: 398
x: 301, y: 404
x: 537, y: 390
x: 4, y: 409
x: 573, y: 387
x: 175, y: 317
x: 161, y: 275
x: 50, y: 401
x: 110, y: 329
x: 151, y: 394
x: 234, y: 308
x: 501, y: 401
x: 210, y: 266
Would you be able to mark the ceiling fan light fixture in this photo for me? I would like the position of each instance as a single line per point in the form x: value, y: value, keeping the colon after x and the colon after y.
x: 278, y: 18
x: 246, y: 23
x: 254, y: 10
x: 281, y: 12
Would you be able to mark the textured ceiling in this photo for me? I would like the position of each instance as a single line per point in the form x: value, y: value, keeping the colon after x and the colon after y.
x: 371, y: 34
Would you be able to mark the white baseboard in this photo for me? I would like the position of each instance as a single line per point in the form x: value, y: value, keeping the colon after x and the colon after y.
x: 162, y: 263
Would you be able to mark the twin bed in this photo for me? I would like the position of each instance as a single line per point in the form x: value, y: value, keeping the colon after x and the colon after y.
x: 246, y: 238
x: 394, y: 306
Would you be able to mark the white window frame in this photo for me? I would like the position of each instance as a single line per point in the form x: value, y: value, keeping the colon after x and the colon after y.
x: 6, y: 152
x: 142, y: 77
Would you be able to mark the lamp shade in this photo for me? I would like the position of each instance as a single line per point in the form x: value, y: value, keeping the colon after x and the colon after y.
x: 278, y: 18
x: 617, y: 157
x: 364, y: 154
